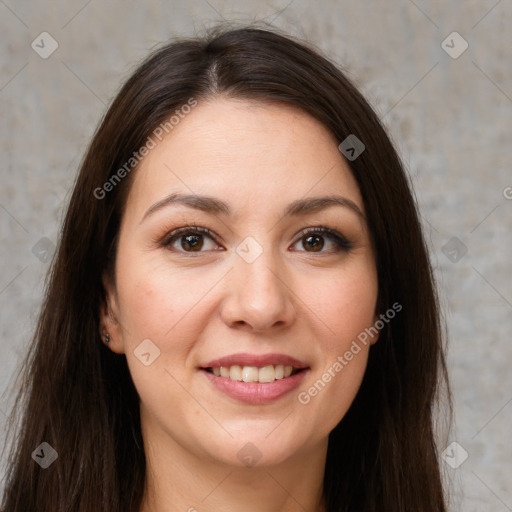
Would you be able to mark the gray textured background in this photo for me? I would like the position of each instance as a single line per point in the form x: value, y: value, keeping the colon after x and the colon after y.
x: 450, y: 117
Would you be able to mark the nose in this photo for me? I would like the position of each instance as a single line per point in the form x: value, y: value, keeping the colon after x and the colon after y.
x: 258, y: 297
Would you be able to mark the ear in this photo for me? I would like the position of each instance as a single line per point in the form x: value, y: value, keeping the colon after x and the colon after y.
x: 109, y: 318
x: 376, y: 322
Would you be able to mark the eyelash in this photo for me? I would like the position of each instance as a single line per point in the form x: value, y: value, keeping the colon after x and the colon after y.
x: 342, y: 243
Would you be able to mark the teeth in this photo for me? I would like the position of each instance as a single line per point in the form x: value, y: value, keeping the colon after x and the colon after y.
x: 268, y: 373
x: 235, y: 373
x: 250, y: 374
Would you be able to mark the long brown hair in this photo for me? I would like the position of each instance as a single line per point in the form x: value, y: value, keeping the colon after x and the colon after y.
x: 78, y: 396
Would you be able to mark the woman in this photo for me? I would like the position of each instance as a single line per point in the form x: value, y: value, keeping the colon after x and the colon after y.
x: 241, y: 313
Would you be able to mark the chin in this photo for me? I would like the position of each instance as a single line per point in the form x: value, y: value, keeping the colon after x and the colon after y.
x: 258, y: 450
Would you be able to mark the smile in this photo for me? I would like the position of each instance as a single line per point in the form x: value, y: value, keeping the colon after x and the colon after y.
x: 255, y: 379
x: 264, y: 374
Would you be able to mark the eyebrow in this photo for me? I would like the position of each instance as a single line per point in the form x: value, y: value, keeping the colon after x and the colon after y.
x: 213, y: 205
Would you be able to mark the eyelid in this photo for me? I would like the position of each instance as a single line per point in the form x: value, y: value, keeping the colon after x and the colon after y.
x: 176, y: 233
x: 341, y: 241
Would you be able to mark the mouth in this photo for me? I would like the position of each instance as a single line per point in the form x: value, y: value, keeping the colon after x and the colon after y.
x: 255, y: 379
x: 258, y: 374
x: 255, y: 385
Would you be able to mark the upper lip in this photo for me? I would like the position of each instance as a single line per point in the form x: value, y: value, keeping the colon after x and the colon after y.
x: 255, y: 360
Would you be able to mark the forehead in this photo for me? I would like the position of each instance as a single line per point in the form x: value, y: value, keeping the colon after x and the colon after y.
x: 251, y: 154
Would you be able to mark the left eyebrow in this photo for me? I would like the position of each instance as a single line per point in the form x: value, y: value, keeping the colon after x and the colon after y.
x: 315, y: 204
x: 210, y: 204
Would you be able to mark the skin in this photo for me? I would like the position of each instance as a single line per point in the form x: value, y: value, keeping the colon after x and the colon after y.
x: 197, y: 306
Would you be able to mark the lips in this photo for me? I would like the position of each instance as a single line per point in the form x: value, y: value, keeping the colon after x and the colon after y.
x: 255, y: 379
x: 256, y: 360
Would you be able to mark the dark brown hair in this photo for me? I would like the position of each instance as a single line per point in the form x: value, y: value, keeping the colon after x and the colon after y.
x: 78, y: 396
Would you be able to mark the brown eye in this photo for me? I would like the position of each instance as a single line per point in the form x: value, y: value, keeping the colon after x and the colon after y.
x: 192, y: 242
x: 314, y: 240
x: 189, y: 240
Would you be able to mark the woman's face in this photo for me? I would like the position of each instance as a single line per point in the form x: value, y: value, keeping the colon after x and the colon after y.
x: 255, y: 291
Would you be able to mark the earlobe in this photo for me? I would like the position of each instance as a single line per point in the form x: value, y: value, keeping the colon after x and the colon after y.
x: 375, y: 337
x: 110, y: 331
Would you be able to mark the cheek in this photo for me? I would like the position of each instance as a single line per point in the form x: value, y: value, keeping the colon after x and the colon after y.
x: 158, y: 301
x: 333, y: 390
x: 343, y: 305
x: 166, y: 307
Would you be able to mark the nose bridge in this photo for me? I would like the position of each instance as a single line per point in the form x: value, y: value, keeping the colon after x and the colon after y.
x: 258, y: 294
x: 261, y: 274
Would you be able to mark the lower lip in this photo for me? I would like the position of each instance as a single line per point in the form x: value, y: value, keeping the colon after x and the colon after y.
x: 256, y: 393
